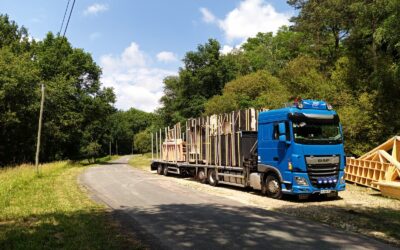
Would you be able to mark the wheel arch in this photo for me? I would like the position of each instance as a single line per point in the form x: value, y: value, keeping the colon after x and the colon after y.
x: 266, y: 170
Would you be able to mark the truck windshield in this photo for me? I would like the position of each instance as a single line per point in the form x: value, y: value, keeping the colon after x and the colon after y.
x: 313, y: 132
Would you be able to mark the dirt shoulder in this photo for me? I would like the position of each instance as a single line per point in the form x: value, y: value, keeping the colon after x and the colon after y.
x: 358, y: 209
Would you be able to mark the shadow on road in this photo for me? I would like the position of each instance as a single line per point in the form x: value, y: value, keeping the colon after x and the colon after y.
x: 205, y: 226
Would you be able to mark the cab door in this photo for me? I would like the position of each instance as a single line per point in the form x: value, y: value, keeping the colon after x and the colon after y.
x: 268, y: 145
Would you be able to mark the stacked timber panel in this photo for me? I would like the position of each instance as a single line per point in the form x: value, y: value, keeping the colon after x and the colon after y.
x: 211, y: 140
x: 215, y: 140
x: 366, y: 173
x: 173, y: 147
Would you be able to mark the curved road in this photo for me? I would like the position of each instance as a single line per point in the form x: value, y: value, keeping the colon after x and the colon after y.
x: 170, y: 216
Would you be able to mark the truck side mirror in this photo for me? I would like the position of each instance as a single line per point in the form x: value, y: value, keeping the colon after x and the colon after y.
x: 282, y: 138
x: 282, y: 128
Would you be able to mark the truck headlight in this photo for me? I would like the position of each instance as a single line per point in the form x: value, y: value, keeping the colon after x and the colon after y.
x: 301, y: 181
x: 342, y: 180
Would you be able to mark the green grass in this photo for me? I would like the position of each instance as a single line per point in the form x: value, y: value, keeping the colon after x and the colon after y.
x: 50, y: 210
x: 100, y: 160
x: 141, y: 161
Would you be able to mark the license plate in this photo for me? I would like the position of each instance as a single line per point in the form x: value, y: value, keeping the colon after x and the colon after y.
x: 325, y: 191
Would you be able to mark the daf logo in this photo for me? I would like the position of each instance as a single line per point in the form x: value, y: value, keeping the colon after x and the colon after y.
x: 323, y: 160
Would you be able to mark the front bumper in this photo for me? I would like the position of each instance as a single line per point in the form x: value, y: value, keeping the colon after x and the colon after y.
x: 291, y: 187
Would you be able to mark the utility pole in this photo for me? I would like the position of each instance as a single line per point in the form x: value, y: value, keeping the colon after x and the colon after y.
x: 39, y: 131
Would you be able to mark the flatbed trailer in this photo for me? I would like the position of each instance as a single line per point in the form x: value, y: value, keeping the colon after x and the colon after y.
x: 219, y: 149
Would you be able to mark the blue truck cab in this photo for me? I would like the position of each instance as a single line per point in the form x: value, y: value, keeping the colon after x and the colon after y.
x: 300, y: 150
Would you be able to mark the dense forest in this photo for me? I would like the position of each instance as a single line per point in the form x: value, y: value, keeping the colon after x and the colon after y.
x: 344, y: 52
x: 79, y: 117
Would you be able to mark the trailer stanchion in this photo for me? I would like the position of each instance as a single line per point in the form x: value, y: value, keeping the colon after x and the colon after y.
x: 157, y: 146
x: 152, y: 149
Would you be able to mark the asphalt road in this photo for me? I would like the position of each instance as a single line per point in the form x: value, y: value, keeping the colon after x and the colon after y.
x: 170, y: 216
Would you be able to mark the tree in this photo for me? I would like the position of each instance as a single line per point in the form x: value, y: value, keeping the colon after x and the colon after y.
x: 326, y: 22
x: 91, y: 150
x: 123, y: 125
x: 76, y: 107
x: 142, y: 141
x: 269, y: 52
x: 204, y: 74
x: 257, y: 90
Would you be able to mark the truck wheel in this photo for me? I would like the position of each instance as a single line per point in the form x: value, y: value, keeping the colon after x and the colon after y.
x: 201, y: 176
x: 212, y: 178
x: 159, y: 169
x: 272, y: 187
x: 165, y: 170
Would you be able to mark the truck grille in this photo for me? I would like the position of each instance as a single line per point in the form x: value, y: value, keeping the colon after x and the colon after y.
x: 323, y: 171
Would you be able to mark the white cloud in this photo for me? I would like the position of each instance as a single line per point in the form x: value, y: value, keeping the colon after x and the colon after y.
x: 251, y: 17
x: 95, y: 9
x: 136, y: 83
x: 247, y: 19
x: 226, y: 49
x: 207, y: 16
x: 166, y: 56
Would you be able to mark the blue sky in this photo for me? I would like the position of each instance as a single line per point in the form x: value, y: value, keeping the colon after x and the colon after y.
x: 138, y: 43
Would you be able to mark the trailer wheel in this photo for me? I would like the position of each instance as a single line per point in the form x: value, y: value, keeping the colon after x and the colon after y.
x: 212, y: 178
x: 165, y: 170
x: 201, y: 176
x: 159, y: 169
x: 272, y: 187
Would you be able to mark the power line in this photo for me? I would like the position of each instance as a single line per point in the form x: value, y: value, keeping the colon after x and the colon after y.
x: 65, y: 13
x: 69, y: 17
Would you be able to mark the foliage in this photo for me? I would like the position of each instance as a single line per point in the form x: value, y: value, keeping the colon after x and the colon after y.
x: 142, y: 141
x: 91, y: 150
x: 124, y: 126
x: 204, y: 74
x: 259, y: 90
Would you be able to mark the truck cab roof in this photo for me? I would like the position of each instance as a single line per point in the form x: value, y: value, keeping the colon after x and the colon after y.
x: 307, y: 108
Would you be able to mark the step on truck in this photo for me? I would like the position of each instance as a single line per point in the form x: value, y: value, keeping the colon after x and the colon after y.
x: 295, y: 150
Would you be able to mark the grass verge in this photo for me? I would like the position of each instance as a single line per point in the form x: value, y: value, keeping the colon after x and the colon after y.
x: 51, y: 211
x: 141, y: 161
x: 359, y: 209
x: 100, y: 160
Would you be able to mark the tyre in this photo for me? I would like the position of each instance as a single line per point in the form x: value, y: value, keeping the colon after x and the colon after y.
x: 272, y: 187
x: 165, y: 170
x: 159, y: 169
x: 201, y: 176
x: 212, y: 178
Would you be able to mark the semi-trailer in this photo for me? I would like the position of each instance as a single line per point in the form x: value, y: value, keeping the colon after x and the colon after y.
x: 295, y: 150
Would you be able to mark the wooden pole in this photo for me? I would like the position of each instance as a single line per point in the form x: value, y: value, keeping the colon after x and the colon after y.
x: 39, y: 130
